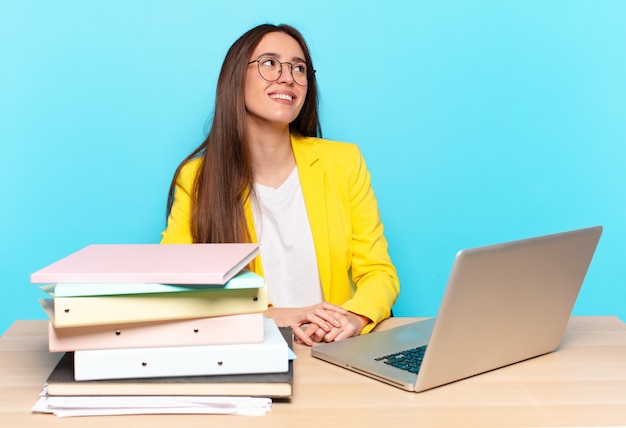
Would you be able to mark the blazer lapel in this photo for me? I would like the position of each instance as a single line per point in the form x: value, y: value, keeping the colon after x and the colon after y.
x: 312, y: 180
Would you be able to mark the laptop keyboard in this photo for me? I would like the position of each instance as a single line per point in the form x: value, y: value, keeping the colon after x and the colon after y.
x: 409, y: 360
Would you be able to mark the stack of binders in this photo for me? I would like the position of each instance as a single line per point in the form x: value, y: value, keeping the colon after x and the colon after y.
x: 163, y: 320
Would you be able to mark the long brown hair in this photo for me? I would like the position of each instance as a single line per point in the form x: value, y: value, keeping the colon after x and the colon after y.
x: 225, y: 176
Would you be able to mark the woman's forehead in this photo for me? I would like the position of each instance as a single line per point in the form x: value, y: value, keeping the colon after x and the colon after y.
x: 280, y: 45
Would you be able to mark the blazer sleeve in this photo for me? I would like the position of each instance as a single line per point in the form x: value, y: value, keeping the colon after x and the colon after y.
x: 178, y: 222
x: 373, y: 274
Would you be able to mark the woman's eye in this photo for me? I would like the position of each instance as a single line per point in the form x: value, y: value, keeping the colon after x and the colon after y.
x: 268, y: 62
x: 299, y: 68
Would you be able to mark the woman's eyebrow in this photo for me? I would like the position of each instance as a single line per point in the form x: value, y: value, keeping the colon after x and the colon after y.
x: 269, y: 54
x: 278, y: 56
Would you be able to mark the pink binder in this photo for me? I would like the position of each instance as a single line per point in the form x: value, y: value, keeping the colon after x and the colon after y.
x: 230, y: 329
x: 150, y: 263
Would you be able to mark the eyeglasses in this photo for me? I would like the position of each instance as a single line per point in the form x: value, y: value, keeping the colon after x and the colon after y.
x: 271, y: 69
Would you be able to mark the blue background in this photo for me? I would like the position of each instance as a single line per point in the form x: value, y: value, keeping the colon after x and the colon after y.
x: 481, y: 122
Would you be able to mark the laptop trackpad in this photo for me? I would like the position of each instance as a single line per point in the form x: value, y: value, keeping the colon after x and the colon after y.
x: 413, y: 334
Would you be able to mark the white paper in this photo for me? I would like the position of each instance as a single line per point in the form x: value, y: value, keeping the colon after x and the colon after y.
x: 133, y: 405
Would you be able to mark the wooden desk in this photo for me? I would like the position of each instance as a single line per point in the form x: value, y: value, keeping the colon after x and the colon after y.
x: 582, y: 384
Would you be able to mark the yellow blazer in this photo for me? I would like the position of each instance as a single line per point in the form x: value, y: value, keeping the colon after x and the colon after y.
x: 354, y: 265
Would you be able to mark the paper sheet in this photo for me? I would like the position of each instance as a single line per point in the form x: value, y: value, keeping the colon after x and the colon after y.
x: 121, y: 405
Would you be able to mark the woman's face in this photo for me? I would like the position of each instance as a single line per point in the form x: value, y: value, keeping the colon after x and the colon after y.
x: 277, y: 102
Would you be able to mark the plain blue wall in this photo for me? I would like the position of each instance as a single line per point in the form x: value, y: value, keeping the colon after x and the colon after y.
x: 481, y: 122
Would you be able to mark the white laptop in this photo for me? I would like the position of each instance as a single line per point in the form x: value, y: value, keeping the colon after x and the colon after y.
x: 503, y: 304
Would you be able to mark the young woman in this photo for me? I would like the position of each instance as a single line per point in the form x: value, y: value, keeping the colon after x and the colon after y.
x: 263, y: 175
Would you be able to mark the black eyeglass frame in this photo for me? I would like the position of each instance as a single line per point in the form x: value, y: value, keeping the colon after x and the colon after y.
x: 309, y: 72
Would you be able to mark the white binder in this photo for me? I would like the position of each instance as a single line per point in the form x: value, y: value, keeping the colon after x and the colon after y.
x: 269, y: 356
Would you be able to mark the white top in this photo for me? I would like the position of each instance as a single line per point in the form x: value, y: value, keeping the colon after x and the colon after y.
x: 286, y: 245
